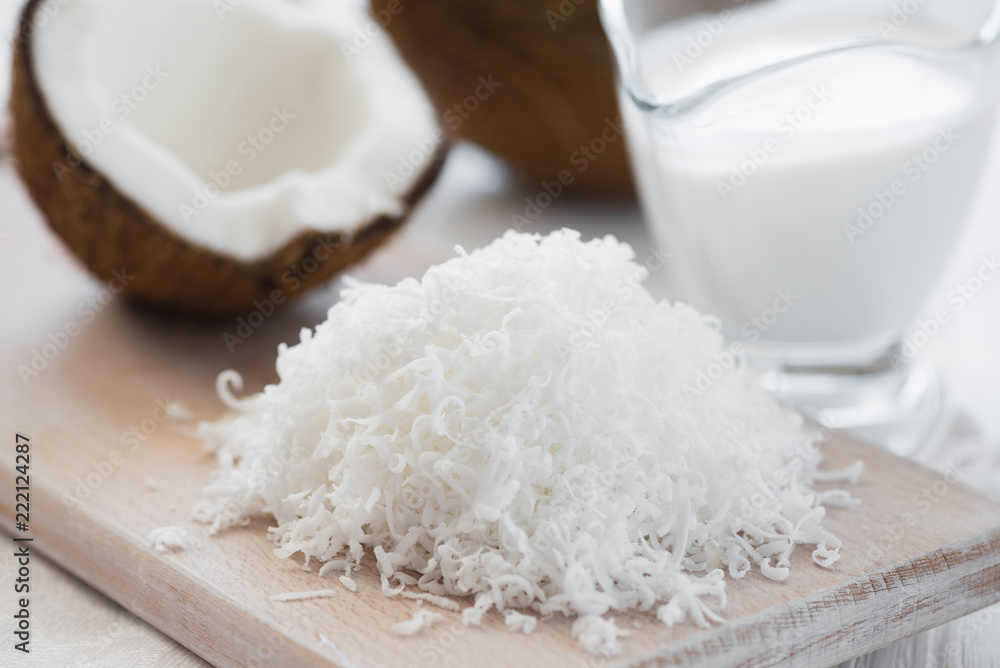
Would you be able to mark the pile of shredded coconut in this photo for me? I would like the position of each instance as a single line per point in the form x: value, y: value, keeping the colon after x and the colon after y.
x: 524, y: 426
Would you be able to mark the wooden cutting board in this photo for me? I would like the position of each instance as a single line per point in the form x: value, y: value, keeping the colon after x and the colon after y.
x: 920, y: 551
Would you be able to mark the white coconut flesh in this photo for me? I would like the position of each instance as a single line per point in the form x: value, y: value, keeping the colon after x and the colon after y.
x: 237, y: 131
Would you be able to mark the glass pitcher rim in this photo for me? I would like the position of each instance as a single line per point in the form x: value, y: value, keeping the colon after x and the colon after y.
x: 615, y: 24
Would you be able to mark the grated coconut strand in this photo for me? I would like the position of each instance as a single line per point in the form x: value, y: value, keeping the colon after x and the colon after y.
x: 169, y: 538
x: 421, y: 619
x: 524, y: 426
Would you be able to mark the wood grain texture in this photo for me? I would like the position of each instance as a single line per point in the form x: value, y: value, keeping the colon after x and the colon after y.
x: 921, y: 549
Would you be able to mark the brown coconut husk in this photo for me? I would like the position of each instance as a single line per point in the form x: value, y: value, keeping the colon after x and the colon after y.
x: 556, y: 90
x: 554, y: 63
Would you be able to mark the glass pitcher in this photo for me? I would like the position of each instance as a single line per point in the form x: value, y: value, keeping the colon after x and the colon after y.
x: 813, y: 162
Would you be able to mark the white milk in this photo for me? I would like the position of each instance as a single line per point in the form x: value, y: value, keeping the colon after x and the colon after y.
x: 821, y: 201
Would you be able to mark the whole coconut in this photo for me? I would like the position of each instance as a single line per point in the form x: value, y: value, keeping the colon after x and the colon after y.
x: 555, y: 73
x: 554, y: 69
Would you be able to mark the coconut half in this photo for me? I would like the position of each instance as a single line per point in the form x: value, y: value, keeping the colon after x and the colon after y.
x: 212, y: 149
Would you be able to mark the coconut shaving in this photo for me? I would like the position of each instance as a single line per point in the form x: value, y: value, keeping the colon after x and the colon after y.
x: 523, y: 428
